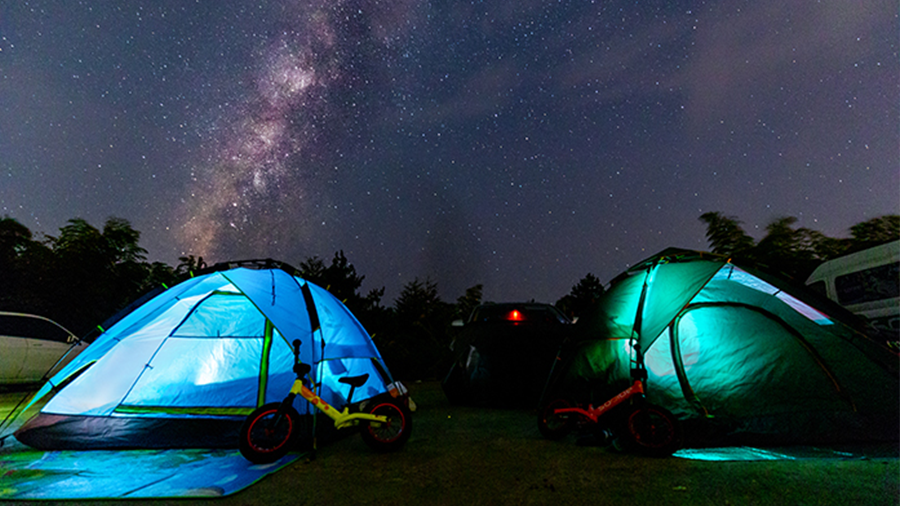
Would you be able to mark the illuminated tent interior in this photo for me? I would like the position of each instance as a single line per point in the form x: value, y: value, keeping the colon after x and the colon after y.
x: 736, y: 354
x: 184, y: 369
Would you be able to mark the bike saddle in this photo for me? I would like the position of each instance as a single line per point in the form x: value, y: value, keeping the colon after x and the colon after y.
x: 355, y: 381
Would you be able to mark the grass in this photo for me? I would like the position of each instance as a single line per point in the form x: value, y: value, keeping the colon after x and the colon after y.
x: 461, y: 455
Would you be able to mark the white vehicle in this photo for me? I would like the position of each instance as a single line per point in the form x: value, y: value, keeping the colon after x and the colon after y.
x: 866, y: 282
x: 33, y: 347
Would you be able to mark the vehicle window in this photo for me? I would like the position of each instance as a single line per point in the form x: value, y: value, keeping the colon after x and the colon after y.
x: 21, y: 326
x: 819, y: 288
x: 551, y: 314
x: 877, y: 283
x: 559, y: 315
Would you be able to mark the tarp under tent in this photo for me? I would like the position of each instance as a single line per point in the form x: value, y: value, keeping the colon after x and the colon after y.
x: 185, y: 368
x: 735, y: 353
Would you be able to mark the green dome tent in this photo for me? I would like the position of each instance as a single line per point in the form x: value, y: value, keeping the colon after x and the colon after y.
x: 185, y: 368
x: 734, y: 349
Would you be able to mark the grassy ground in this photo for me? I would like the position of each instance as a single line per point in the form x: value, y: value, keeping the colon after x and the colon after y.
x: 471, y: 456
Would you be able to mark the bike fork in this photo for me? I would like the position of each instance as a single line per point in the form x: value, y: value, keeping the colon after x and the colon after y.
x: 285, y: 406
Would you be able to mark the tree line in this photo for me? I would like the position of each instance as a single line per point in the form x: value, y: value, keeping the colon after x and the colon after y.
x: 84, y: 275
x: 789, y: 252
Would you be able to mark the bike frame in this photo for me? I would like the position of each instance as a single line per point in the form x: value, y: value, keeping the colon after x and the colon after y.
x: 593, y: 414
x: 342, y: 419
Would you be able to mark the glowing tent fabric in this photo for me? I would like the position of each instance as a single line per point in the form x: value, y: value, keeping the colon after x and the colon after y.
x: 185, y: 368
x: 745, y: 352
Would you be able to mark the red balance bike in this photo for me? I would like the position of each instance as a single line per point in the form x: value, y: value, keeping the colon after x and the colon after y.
x: 629, y: 418
x: 270, y: 431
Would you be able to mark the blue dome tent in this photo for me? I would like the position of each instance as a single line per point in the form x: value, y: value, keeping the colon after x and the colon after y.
x: 186, y: 367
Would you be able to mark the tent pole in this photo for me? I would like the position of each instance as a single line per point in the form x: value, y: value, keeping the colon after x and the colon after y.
x: 264, y: 364
x: 637, y: 361
x: 314, y: 325
x: 686, y: 389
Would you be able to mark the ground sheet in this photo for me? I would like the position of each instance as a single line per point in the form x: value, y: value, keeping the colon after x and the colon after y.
x: 749, y: 453
x: 129, y: 474
x: 26, y: 473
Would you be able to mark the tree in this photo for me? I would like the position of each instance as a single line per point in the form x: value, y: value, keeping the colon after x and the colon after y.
x: 159, y: 274
x: 341, y: 280
x: 14, y: 238
x: 23, y: 268
x: 876, y: 231
x: 791, y: 252
x: 313, y: 269
x: 94, y: 273
x: 787, y: 250
x: 418, y: 301
x: 583, y: 295
x: 418, y: 343
x: 189, y: 264
x: 122, y: 241
x: 468, y: 302
x: 725, y: 234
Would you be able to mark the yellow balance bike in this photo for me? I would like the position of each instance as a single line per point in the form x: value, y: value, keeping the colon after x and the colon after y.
x: 270, y: 431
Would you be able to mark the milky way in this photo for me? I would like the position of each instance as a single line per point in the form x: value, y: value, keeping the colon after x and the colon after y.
x: 516, y: 145
x: 257, y: 183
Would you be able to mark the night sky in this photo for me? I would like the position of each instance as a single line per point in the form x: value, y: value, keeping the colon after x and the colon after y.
x: 520, y: 145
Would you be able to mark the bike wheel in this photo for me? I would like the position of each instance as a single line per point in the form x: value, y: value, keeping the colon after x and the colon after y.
x: 653, y: 430
x: 553, y: 425
x: 267, y: 436
x: 390, y: 435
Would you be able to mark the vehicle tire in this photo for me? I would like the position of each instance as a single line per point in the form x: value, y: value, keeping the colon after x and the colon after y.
x: 391, y: 435
x: 261, y: 441
x: 552, y: 425
x: 653, y: 430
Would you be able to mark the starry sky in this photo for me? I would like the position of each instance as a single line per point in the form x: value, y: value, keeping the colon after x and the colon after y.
x: 519, y: 145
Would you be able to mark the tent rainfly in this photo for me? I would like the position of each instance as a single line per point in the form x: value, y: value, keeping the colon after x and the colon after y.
x: 737, y: 350
x: 185, y: 368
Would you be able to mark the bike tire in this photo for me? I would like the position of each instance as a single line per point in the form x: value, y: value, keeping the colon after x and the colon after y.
x: 391, y: 435
x: 262, y: 443
x: 552, y: 425
x: 653, y: 430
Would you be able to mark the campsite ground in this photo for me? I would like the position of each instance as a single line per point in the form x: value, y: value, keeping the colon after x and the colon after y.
x: 461, y: 455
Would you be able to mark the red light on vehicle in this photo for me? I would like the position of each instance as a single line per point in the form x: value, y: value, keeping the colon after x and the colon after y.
x: 515, y: 316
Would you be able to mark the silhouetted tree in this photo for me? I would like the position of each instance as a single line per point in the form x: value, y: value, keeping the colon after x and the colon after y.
x: 121, y: 241
x: 583, y: 295
x: 14, y: 239
x: 159, y: 274
x: 189, y: 264
x: 787, y: 250
x: 418, y: 344
x: 875, y: 231
x: 418, y: 301
x: 341, y: 280
x: 24, y: 266
x: 313, y: 269
x: 790, y: 252
x: 468, y: 302
x: 94, y: 273
x: 725, y: 234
